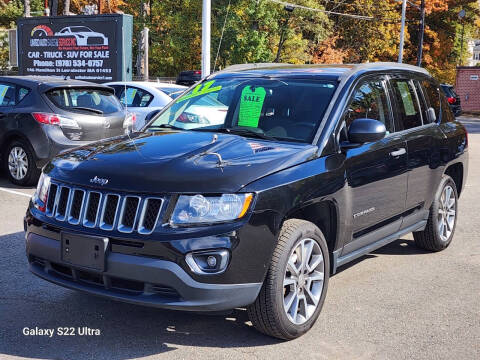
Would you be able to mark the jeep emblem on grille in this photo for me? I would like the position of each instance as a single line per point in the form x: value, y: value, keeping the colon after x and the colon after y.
x: 99, y: 181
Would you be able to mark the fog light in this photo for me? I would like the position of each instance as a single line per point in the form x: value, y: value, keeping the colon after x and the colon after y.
x: 211, y: 261
x: 208, y: 262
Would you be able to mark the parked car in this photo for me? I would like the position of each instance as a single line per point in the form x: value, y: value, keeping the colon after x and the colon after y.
x: 144, y: 98
x: 453, y: 99
x: 312, y: 167
x: 84, y: 35
x: 189, y: 77
x: 41, y: 116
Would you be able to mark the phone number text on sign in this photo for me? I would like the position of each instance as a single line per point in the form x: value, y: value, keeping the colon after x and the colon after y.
x: 79, y: 63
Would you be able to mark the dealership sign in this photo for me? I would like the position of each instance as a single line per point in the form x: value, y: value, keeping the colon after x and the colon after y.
x: 93, y: 48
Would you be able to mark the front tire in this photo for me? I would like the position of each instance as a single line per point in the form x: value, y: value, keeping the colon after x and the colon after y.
x: 295, y: 287
x: 19, y: 163
x: 438, y: 233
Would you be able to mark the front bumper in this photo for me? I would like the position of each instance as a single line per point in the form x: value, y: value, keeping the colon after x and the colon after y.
x: 137, y: 279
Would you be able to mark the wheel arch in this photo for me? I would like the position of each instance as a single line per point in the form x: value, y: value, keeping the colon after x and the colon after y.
x: 456, y: 172
x: 12, y: 136
x: 324, y: 214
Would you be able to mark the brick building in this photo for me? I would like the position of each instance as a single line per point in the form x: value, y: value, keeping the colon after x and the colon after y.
x: 468, y: 87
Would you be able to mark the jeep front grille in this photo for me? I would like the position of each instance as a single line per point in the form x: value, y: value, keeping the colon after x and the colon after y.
x: 107, y: 211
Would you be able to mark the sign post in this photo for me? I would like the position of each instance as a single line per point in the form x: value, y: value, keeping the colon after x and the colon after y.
x: 206, y: 9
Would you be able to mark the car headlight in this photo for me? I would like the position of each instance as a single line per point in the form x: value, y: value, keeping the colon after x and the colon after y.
x: 41, y: 194
x: 199, y: 209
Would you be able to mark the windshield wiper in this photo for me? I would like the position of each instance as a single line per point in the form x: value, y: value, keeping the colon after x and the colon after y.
x: 246, y: 132
x: 164, y: 126
x: 96, y: 111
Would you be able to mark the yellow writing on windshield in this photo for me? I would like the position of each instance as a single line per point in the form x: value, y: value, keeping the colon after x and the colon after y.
x: 201, y: 89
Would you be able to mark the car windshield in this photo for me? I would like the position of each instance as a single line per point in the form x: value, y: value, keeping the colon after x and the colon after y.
x: 449, y: 90
x: 80, y: 29
x: 171, y: 90
x: 283, y: 109
x: 95, y: 101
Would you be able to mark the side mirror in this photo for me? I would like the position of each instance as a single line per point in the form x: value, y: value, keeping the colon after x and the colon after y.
x: 432, y: 117
x: 366, y: 130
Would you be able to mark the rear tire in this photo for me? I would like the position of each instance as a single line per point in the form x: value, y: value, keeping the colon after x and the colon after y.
x: 19, y: 163
x: 440, y: 228
x: 290, y: 277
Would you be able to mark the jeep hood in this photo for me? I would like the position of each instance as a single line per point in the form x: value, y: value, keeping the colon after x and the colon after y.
x: 176, y: 162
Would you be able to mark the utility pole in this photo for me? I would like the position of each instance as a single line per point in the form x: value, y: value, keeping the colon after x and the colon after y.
x: 402, y: 31
x: 461, y: 16
x: 145, y: 56
x: 26, y: 6
x: 206, y: 9
x: 143, y: 43
x: 421, y: 33
x: 289, y: 9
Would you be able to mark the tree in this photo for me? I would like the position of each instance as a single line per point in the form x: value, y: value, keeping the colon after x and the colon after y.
x: 361, y: 40
x: 443, y: 35
x: 3, y: 50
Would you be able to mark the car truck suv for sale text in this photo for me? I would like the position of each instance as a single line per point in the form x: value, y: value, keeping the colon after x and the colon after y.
x: 309, y: 168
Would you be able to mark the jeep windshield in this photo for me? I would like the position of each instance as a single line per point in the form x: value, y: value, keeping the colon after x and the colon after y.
x: 278, y: 109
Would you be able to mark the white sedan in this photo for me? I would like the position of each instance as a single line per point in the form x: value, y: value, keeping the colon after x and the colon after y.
x: 84, y: 35
x: 143, y: 98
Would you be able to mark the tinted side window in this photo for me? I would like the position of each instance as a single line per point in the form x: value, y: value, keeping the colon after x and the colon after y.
x: 135, y: 97
x: 422, y: 101
x: 7, y: 94
x: 407, y: 108
x: 369, y: 101
x: 432, y: 93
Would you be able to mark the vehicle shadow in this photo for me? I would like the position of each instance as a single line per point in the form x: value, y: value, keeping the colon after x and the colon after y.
x: 397, y: 247
x: 127, y: 331
x: 400, y: 247
x: 5, y: 183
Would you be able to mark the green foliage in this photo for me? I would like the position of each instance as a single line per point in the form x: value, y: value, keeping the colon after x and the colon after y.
x: 3, y: 49
x: 11, y: 10
x: 252, y: 33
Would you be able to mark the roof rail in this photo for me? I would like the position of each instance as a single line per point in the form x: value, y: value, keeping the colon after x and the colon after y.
x: 254, y: 66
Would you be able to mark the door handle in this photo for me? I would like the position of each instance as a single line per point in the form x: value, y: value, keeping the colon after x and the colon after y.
x: 398, y: 152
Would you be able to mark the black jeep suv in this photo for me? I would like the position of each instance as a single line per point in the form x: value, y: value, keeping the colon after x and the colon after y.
x: 251, y: 189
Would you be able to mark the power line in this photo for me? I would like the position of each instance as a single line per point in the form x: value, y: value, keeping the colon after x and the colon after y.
x: 354, y: 16
x: 221, y: 37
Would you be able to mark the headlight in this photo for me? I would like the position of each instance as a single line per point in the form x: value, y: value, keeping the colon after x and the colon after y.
x: 41, y: 194
x: 210, y: 209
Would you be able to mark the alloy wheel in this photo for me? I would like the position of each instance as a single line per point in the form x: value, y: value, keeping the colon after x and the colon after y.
x: 18, y: 163
x: 446, y: 213
x: 303, y: 281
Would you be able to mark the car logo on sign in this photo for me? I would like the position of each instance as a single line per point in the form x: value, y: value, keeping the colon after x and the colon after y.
x: 99, y: 181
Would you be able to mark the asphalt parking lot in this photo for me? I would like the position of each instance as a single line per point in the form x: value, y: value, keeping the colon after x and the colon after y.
x: 396, y: 303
